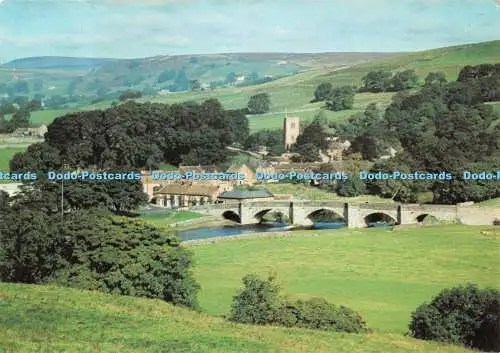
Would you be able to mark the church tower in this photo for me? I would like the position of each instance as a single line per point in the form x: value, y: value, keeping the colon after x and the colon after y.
x: 291, y: 129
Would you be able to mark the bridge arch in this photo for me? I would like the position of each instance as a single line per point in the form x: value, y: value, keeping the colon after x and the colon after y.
x: 232, y: 216
x: 273, y: 215
x: 326, y: 215
x: 374, y: 218
x: 426, y: 218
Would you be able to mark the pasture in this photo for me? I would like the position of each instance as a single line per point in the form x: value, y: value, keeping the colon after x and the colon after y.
x: 384, y: 275
x: 39, y: 318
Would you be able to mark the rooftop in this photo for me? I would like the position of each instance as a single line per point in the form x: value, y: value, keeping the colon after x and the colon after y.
x: 190, y: 189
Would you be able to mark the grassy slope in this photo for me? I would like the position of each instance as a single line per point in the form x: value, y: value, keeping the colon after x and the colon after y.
x: 382, y: 274
x: 51, y: 319
x: 295, y: 92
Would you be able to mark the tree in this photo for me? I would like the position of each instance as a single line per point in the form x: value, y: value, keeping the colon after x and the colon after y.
x: 323, y: 92
x: 98, y: 251
x: 257, y: 303
x: 315, y: 134
x: 195, y: 85
x: 403, y: 80
x: 239, y: 124
x: 351, y: 187
x: 435, y: 78
x: 130, y: 95
x: 307, y: 153
x: 463, y: 315
x: 20, y: 119
x: 377, y: 81
x: 342, y: 98
x: 259, y: 103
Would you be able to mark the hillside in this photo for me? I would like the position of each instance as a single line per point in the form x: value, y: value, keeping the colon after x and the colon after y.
x: 101, y: 77
x: 53, y: 319
x: 294, y: 93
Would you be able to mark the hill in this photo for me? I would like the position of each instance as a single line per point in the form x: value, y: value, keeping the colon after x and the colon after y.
x: 56, y: 62
x: 52, y: 319
x: 98, y: 77
x: 294, y: 93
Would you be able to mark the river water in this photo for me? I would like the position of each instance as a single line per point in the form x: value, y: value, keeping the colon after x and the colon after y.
x: 206, y: 233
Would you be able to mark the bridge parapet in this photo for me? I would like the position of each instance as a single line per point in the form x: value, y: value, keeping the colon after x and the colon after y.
x: 216, y: 206
x: 261, y: 204
x: 380, y: 206
x: 331, y: 204
x: 437, y: 208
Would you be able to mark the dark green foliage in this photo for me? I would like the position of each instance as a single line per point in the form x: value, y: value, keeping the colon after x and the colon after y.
x: 307, y: 153
x: 404, y: 80
x: 315, y: 133
x: 376, y: 81
x: 259, y: 103
x: 95, y: 250
x: 463, y: 315
x: 239, y: 124
x: 145, y: 135
x: 319, y: 314
x: 273, y: 139
x: 130, y: 95
x: 436, y: 128
x: 435, y: 78
x: 259, y: 303
x: 485, y: 78
x: 341, y: 98
x: 351, y: 187
x: 323, y: 92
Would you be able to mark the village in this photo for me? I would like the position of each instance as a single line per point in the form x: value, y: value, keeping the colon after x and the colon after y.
x: 179, y: 194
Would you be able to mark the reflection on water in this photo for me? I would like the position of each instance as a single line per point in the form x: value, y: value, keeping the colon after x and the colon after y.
x: 205, y: 233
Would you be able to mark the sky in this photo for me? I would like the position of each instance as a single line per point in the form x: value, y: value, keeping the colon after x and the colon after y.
x: 142, y: 28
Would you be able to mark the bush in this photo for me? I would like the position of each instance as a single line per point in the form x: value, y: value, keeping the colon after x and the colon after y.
x: 317, y: 313
x: 462, y: 315
x: 96, y: 251
x: 259, y: 303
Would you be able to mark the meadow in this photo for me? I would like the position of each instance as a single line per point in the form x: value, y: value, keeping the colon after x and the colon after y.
x: 384, y: 275
x: 48, y: 319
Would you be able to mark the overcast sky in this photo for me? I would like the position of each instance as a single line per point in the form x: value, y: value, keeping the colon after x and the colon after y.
x: 131, y: 29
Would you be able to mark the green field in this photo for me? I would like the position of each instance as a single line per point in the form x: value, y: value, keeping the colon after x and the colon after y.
x: 165, y: 217
x: 46, y: 319
x: 382, y: 274
x: 6, y: 155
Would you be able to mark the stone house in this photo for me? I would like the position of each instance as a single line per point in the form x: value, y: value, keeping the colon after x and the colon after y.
x: 39, y: 131
x: 250, y: 177
x: 185, y: 194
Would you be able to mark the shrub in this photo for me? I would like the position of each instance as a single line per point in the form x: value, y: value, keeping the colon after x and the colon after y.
x: 496, y: 222
x: 259, y: 303
x: 317, y: 313
x: 97, y: 251
x: 462, y: 315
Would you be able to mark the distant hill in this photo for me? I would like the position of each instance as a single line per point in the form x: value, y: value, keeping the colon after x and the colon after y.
x: 99, y: 77
x: 56, y: 62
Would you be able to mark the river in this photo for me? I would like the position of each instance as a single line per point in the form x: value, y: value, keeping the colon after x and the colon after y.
x: 206, y: 233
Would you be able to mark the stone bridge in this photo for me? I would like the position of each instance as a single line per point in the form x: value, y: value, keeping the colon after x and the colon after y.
x: 353, y: 214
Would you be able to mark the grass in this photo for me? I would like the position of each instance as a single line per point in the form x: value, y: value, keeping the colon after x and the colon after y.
x: 6, y: 155
x: 492, y: 202
x: 382, y: 274
x: 164, y: 217
x: 54, y: 320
